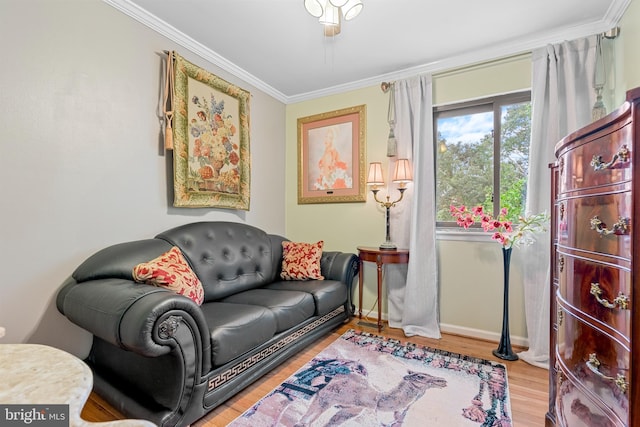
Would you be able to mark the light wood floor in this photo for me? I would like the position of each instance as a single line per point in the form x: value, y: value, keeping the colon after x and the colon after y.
x: 528, y: 385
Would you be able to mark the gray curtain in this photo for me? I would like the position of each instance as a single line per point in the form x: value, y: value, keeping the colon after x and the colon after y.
x: 413, y: 289
x: 562, y: 96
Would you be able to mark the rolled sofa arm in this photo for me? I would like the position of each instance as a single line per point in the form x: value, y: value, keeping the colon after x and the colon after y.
x: 148, y: 341
x: 339, y: 266
x: 101, y: 297
x: 130, y: 315
x: 344, y: 267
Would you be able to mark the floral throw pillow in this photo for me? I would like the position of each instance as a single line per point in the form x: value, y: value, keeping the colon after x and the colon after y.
x: 170, y: 270
x: 301, y: 261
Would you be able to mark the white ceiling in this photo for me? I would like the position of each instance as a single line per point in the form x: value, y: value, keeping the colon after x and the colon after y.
x: 278, y: 47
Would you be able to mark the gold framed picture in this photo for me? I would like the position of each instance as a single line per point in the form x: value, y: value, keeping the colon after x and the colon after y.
x: 211, y: 158
x: 331, y: 156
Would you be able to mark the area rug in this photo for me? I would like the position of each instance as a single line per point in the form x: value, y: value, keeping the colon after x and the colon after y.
x: 366, y: 380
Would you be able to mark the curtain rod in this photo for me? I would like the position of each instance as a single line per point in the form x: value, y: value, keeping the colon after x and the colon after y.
x: 479, y: 65
x: 612, y: 33
x: 385, y: 86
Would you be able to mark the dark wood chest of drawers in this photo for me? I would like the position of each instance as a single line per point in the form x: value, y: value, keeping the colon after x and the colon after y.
x: 595, y: 314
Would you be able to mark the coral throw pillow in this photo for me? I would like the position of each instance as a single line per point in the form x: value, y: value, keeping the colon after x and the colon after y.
x: 301, y: 261
x: 170, y: 270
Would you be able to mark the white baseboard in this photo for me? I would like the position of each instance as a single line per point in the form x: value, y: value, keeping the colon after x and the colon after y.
x: 470, y: 332
x: 483, y: 335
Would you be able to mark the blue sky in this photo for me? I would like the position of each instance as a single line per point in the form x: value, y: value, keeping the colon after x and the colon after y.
x: 468, y: 129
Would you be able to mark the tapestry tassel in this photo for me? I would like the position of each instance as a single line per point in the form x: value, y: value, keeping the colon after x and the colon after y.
x: 168, y: 104
x: 168, y: 132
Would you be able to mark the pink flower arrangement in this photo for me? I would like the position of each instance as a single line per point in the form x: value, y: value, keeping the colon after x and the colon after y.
x: 503, y: 231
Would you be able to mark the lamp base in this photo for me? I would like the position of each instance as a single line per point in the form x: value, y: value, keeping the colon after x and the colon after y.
x: 388, y: 246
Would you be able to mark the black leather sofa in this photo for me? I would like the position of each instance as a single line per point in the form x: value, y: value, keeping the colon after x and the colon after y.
x: 159, y: 356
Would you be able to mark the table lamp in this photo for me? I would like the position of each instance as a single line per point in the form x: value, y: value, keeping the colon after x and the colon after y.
x: 401, y: 175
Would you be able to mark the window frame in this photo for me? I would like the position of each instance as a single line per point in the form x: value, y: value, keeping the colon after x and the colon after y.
x: 491, y: 103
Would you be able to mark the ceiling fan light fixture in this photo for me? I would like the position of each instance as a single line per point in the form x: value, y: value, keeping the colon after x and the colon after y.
x: 331, y: 30
x: 338, y: 3
x: 352, y: 8
x: 331, y: 15
x: 314, y: 7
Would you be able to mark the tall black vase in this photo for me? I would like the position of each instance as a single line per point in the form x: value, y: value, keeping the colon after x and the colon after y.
x: 504, y: 350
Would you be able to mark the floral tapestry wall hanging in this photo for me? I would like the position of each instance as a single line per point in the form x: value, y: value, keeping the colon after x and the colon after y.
x: 331, y: 156
x: 211, y: 161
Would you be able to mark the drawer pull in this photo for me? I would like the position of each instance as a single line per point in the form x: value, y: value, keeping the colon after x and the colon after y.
x: 560, y: 316
x: 594, y: 366
x: 621, y: 300
x: 619, y: 228
x: 622, y: 155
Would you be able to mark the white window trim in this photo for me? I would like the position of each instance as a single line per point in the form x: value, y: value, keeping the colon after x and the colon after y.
x: 462, y: 235
x: 446, y: 231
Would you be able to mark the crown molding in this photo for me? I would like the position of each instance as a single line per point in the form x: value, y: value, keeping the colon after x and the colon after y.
x: 615, y: 12
x: 510, y: 48
x: 162, y: 27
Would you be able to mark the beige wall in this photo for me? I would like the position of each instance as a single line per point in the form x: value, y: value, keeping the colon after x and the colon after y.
x: 627, y: 57
x: 481, y: 80
x: 468, y: 304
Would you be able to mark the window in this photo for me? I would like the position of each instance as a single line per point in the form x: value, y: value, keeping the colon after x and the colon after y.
x: 482, y: 155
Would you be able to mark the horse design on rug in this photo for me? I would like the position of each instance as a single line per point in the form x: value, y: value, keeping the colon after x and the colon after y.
x: 352, y: 394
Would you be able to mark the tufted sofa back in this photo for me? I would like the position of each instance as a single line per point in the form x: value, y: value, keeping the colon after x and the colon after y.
x: 227, y: 257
